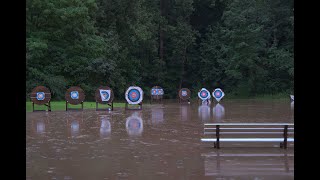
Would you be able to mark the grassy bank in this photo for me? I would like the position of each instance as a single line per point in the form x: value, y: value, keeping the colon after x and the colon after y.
x: 61, y: 105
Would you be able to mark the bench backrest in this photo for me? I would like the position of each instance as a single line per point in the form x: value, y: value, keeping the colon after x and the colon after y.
x: 249, y: 129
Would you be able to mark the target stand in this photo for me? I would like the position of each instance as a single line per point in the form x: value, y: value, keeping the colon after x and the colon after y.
x: 104, y: 95
x: 184, y: 95
x: 134, y: 97
x: 156, y: 94
x: 41, y: 95
x: 74, y: 95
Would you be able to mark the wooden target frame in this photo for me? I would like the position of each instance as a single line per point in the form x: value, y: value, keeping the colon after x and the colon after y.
x: 79, y: 100
x: 99, y: 100
x: 129, y: 106
x: 157, y: 98
x: 40, y: 95
x: 184, y: 98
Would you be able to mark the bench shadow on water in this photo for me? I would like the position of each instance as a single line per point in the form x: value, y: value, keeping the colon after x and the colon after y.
x: 162, y: 141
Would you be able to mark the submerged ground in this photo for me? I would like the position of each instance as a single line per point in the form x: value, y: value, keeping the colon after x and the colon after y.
x: 161, y: 141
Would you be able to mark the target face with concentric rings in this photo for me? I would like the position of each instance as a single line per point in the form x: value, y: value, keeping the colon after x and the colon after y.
x: 204, y: 94
x: 218, y: 94
x: 40, y: 96
x: 184, y: 93
x: 134, y: 95
x: 157, y: 91
x: 74, y: 94
x: 105, y: 94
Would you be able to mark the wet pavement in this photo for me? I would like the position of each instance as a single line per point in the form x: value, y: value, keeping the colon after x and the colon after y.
x: 161, y: 141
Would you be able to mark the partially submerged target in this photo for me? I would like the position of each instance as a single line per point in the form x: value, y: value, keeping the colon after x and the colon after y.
x: 184, y: 95
x: 134, y: 125
x: 204, y: 94
x: 104, y: 95
x: 134, y: 96
x: 74, y: 95
x: 156, y: 93
x: 218, y: 94
x: 40, y: 95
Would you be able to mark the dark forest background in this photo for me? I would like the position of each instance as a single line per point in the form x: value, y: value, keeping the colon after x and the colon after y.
x: 244, y: 47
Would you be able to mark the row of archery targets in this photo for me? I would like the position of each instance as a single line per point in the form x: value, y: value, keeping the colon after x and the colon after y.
x: 41, y: 95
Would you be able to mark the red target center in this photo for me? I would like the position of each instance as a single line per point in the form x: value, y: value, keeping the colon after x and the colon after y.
x: 204, y: 94
x: 134, y: 95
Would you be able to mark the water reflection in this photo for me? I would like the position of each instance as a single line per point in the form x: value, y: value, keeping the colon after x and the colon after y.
x: 157, y: 115
x: 248, y: 164
x: 204, y: 112
x: 74, y: 123
x: 218, y: 112
x: 185, y: 112
x: 105, y: 127
x: 134, y: 124
x: 39, y: 125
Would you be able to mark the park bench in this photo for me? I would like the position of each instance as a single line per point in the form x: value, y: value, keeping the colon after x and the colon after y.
x: 249, y: 132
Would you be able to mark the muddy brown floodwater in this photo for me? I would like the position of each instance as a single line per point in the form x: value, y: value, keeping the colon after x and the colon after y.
x: 162, y: 141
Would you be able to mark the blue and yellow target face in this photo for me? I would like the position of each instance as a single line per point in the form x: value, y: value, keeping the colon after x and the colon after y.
x: 105, y: 95
x: 156, y: 91
x: 40, y: 96
x: 74, y: 94
x: 204, y: 94
x: 134, y: 95
x: 184, y: 93
x: 218, y: 94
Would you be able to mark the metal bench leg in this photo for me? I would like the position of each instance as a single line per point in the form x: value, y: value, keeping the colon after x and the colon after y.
x: 218, y: 135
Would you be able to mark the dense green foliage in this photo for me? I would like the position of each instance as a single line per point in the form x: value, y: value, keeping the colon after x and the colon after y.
x: 242, y: 46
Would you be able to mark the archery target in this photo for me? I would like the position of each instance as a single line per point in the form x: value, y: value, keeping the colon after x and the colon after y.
x: 74, y: 94
x: 218, y: 94
x: 184, y: 93
x: 134, y: 125
x: 204, y: 94
x: 134, y: 95
x: 104, y: 94
x: 157, y: 91
x: 40, y: 96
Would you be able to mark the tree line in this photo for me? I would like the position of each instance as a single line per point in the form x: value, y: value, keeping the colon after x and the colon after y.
x: 244, y: 47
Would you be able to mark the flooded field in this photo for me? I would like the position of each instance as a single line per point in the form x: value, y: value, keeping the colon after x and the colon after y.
x: 161, y: 141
